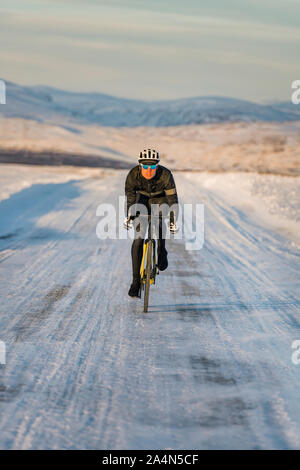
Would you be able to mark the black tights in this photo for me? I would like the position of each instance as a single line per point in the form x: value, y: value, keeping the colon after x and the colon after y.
x: 137, y: 245
x: 137, y: 254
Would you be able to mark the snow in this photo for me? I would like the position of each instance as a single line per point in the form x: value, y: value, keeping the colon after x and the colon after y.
x: 201, y: 133
x: 46, y: 104
x: 271, y: 200
x: 15, y: 178
x: 209, y: 366
x: 252, y: 147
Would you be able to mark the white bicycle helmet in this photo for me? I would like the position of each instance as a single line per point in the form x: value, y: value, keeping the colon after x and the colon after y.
x: 149, y: 154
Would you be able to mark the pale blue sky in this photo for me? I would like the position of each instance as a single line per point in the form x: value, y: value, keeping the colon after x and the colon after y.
x: 154, y: 49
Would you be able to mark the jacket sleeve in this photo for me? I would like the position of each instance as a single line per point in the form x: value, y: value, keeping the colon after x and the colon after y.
x: 171, y: 196
x: 130, y: 191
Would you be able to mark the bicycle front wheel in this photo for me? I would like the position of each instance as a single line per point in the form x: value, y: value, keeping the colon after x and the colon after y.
x: 148, y: 275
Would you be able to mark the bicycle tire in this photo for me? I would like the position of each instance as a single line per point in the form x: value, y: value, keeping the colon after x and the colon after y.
x: 148, y: 274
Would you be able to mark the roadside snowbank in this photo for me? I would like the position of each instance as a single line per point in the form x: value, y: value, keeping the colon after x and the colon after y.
x: 14, y: 178
x: 272, y: 200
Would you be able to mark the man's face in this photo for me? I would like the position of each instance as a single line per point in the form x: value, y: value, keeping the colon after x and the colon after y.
x: 148, y: 172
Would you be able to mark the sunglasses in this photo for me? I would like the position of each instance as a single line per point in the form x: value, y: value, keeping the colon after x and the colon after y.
x: 149, y: 166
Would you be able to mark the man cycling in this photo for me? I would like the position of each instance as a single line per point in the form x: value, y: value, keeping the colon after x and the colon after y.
x: 148, y: 183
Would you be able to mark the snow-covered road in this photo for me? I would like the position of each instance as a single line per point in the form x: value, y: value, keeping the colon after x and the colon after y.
x: 209, y: 366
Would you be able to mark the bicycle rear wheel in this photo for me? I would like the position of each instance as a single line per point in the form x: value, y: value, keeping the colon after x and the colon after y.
x: 148, y: 275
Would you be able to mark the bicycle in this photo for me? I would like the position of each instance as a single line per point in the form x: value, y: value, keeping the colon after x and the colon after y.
x: 148, y: 269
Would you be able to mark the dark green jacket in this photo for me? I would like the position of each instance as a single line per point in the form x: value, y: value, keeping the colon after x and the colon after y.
x: 160, y: 188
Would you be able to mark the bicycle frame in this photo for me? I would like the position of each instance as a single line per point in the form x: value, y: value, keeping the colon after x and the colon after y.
x: 148, y: 270
x: 147, y: 247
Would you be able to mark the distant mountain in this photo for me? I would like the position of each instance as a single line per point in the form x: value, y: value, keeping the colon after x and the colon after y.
x: 47, y: 104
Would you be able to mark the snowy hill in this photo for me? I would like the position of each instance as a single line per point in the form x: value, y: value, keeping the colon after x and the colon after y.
x: 47, y: 104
